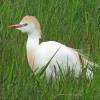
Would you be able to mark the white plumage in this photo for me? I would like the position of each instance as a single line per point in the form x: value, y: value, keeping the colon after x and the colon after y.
x: 39, y: 54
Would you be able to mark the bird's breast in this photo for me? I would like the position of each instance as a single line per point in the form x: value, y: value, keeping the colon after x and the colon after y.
x: 31, y: 60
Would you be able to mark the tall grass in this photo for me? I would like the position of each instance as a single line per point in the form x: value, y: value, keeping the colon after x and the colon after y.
x: 71, y: 22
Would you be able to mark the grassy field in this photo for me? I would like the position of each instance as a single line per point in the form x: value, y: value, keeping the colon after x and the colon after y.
x: 74, y: 23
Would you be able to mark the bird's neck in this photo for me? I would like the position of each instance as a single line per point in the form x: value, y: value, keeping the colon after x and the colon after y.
x: 32, y: 47
x: 33, y: 40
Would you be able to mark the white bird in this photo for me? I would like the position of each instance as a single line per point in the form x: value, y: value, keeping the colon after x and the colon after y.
x: 38, y: 55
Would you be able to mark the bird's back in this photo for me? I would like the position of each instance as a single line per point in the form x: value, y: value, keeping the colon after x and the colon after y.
x: 64, y: 56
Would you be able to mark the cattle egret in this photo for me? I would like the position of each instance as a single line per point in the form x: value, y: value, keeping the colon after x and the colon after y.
x: 38, y: 55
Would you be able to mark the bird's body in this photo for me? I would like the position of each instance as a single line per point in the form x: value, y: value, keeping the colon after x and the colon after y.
x: 42, y: 53
x: 39, y: 54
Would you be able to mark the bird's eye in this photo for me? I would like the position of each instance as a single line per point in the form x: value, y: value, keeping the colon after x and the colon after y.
x: 25, y: 24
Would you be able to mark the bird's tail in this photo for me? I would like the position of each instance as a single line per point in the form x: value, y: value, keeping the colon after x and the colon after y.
x: 87, y: 62
x: 88, y: 65
x: 85, y: 59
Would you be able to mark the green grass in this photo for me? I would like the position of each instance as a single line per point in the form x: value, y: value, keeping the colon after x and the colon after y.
x: 71, y: 22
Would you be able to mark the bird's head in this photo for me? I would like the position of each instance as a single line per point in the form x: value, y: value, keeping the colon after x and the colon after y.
x: 28, y: 24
